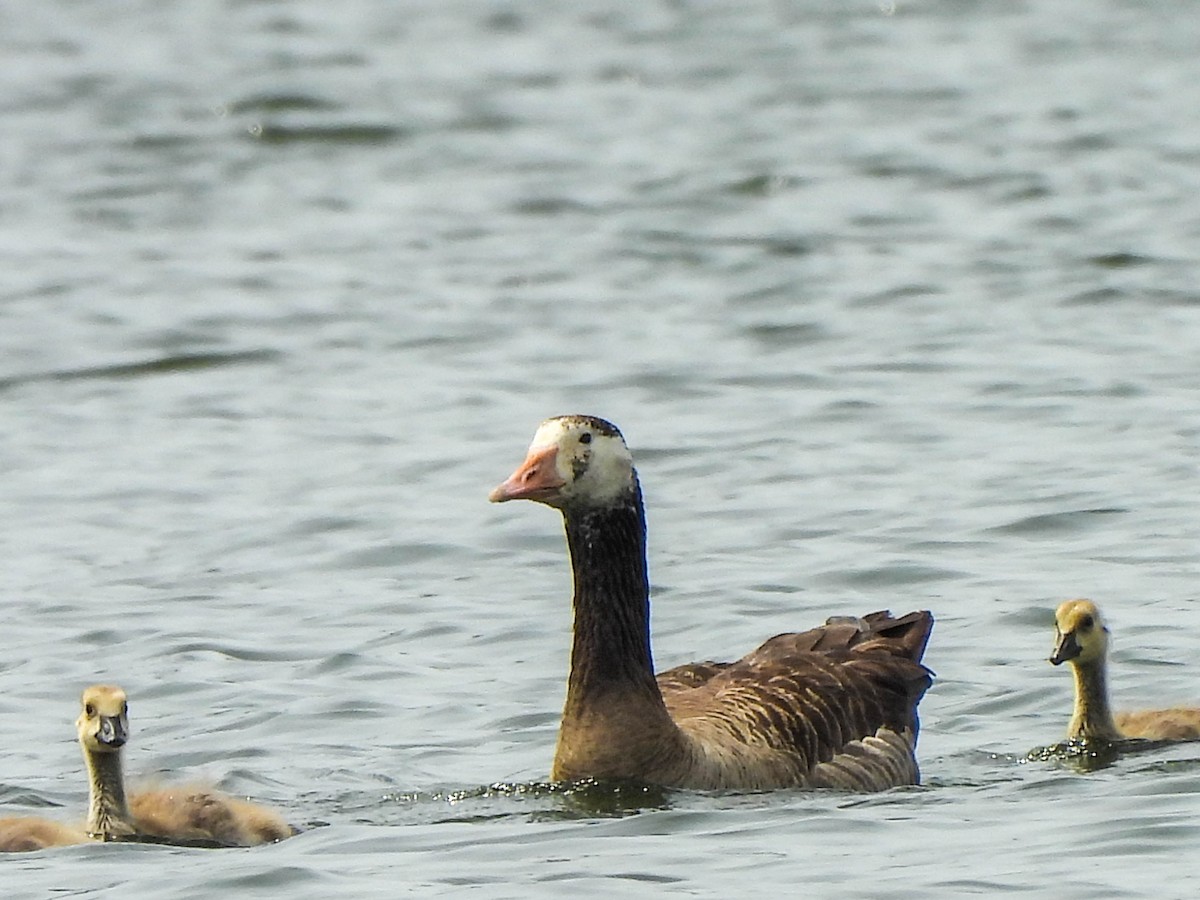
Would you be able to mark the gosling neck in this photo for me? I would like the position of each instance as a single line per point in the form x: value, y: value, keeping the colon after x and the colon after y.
x: 611, y: 650
x: 1093, y: 715
x: 108, y: 815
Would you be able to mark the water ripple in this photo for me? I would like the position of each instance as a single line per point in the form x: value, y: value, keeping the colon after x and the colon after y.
x: 185, y: 362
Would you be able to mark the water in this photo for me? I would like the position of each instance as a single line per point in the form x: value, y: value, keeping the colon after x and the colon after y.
x: 896, y: 306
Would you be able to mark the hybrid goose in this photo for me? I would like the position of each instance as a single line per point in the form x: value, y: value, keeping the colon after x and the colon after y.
x: 1081, y: 638
x: 832, y: 707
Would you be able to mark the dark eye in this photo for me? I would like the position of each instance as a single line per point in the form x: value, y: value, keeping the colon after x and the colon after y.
x: 124, y: 709
x: 89, y: 710
x: 585, y: 438
x: 1086, y: 623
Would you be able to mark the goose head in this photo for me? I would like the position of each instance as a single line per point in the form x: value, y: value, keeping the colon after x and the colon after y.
x: 1081, y: 635
x: 572, y: 461
x: 103, y: 724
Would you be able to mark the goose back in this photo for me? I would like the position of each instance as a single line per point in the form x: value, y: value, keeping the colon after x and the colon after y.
x: 1179, y: 723
x: 197, y: 814
x: 834, y: 706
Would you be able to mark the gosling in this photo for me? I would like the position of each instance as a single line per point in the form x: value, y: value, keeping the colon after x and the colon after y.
x: 186, y: 814
x: 1082, y: 640
x: 21, y: 834
x: 189, y: 814
x: 102, y: 728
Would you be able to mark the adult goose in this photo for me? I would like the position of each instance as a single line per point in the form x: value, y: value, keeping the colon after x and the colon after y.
x: 1081, y: 638
x: 832, y: 707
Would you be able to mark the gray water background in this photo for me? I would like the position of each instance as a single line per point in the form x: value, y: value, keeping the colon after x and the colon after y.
x: 896, y: 305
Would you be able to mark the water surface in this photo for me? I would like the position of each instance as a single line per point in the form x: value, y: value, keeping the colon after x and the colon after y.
x: 896, y: 305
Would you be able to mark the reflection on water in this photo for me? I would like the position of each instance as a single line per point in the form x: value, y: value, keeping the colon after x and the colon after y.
x: 587, y: 798
x: 1091, y: 754
x: 553, y: 801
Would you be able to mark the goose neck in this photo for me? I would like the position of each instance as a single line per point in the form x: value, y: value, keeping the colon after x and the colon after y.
x: 1093, y: 715
x: 611, y: 647
x: 108, y: 814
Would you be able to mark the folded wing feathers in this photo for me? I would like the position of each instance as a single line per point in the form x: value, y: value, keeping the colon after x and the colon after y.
x: 689, y: 676
x: 839, y: 701
x: 875, y: 763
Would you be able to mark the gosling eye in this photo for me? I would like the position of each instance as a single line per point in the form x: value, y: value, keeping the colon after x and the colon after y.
x: 585, y: 438
x: 1086, y: 623
x: 124, y: 709
x: 89, y: 710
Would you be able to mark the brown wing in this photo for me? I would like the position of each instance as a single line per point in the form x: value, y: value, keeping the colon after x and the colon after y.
x: 682, y: 678
x: 906, y: 635
x: 805, y: 698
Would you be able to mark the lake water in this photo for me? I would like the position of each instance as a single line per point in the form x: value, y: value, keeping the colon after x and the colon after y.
x: 897, y: 305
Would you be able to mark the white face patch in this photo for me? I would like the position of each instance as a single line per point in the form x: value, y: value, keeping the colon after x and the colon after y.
x: 596, y: 466
x: 549, y: 434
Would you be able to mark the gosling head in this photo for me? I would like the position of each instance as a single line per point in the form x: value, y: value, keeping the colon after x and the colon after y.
x: 103, y: 724
x: 573, y: 460
x: 1080, y: 633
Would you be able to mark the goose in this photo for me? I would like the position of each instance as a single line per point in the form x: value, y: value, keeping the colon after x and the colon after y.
x: 193, y: 815
x: 102, y: 728
x: 1081, y: 638
x: 183, y: 814
x: 832, y: 707
x: 20, y: 834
